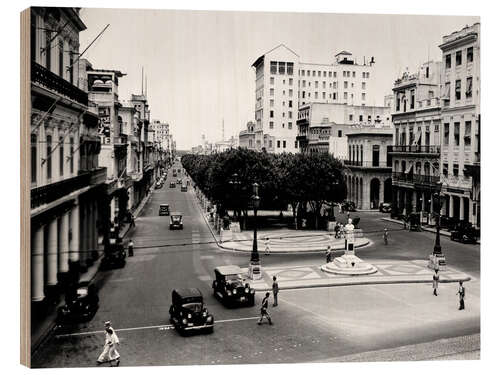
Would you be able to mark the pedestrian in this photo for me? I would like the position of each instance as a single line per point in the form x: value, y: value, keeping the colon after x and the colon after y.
x: 328, y: 254
x: 130, y: 248
x: 435, y: 282
x: 275, y: 291
x: 337, y: 230
x: 132, y: 220
x: 110, y: 352
x: 266, y: 251
x: 461, y: 295
x: 386, y: 236
x: 263, y: 310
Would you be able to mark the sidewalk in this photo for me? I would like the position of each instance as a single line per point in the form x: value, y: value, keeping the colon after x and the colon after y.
x: 289, y: 241
x: 388, y: 272
x: 43, y: 330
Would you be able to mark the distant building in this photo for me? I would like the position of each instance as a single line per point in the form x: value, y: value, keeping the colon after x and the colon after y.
x: 283, y: 83
x: 416, y: 149
x: 247, y: 137
x: 369, y: 180
x: 461, y: 122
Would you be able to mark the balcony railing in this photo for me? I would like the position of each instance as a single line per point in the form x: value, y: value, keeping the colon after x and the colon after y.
x: 415, y: 149
x: 415, y: 178
x: 51, y: 192
x: 367, y: 164
x: 52, y: 81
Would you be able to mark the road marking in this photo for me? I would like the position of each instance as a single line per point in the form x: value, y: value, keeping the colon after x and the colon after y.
x: 121, y: 280
x: 160, y: 327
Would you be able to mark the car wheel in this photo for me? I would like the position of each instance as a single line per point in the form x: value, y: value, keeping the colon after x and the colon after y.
x: 251, y: 301
x: 210, y: 330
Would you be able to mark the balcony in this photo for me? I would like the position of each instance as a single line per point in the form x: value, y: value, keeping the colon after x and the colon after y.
x: 416, y: 149
x: 51, y: 192
x: 410, y: 178
x: 53, y: 82
x: 366, y: 164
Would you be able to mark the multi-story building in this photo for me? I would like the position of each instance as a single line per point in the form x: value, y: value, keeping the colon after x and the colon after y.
x: 66, y: 182
x: 369, y: 166
x: 247, y: 137
x: 461, y: 121
x: 416, y: 147
x: 282, y: 83
x: 322, y: 127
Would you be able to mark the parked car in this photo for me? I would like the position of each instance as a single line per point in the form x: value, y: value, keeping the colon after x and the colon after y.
x: 176, y: 220
x: 114, y: 255
x: 229, y: 286
x: 82, y: 302
x: 172, y: 184
x: 164, y: 210
x: 385, y: 207
x: 158, y: 185
x: 179, y: 181
x: 184, y: 188
x: 188, y: 311
x: 464, y: 233
x: 414, y: 221
x: 175, y: 174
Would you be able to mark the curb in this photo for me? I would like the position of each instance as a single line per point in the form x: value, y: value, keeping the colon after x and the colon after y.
x: 364, y: 282
x: 206, y: 221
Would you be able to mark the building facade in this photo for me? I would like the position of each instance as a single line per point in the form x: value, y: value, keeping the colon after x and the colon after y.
x: 416, y: 147
x: 461, y: 121
x: 246, y: 137
x: 369, y: 166
x: 66, y: 180
x: 283, y: 83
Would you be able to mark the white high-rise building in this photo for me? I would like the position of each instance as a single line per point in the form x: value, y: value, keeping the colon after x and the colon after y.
x: 283, y: 83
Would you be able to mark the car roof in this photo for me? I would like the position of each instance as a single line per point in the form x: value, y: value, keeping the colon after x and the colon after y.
x: 187, y: 292
x: 229, y: 270
x: 176, y: 213
x: 164, y: 204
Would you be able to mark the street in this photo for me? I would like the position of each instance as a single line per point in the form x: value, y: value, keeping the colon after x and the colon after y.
x: 310, y: 324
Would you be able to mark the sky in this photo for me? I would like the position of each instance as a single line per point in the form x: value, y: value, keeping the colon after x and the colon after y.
x: 198, y: 63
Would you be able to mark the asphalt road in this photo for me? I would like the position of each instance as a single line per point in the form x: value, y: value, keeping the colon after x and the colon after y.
x: 310, y: 325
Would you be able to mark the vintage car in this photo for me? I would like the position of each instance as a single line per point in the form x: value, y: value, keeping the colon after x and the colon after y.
x: 175, y: 174
x: 188, y: 312
x: 176, y: 220
x: 385, y: 207
x: 184, y: 188
x: 82, y: 302
x: 173, y: 184
x: 179, y: 181
x: 164, y: 210
x: 114, y: 255
x: 349, y: 206
x: 229, y: 286
x: 464, y: 233
x: 413, y: 221
x: 158, y: 185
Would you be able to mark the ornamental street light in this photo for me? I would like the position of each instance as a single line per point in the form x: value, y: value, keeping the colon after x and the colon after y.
x: 437, y: 259
x: 254, y: 267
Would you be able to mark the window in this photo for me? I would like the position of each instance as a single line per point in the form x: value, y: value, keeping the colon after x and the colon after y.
x: 271, y: 80
x: 289, y: 68
x: 324, y: 95
x: 426, y: 72
x: 315, y: 84
x: 348, y: 74
x: 296, y: 144
x: 334, y: 96
x: 330, y: 74
x: 334, y: 85
x: 284, y: 144
x: 284, y: 93
x: 278, y: 144
x: 33, y: 40
x: 290, y: 81
x: 375, y: 155
x: 271, y: 114
x: 334, y: 74
x: 455, y: 169
x: 70, y: 67
x: 345, y: 84
x: 290, y: 104
x: 290, y: 93
x: 364, y: 75
x: 284, y: 82
x: 367, y: 75
x: 458, y: 58
x: 48, y: 160
x: 350, y: 117
x: 271, y: 102
x: 61, y: 156
x: 363, y: 96
x: 458, y: 89
x: 470, y: 54
x: 271, y: 125
x: 290, y: 115
x: 303, y: 94
x: 274, y: 65
x: 316, y: 95
x: 324, y: 74
x: 71, y: 157
x: 339, y: 133
x: 360, y: 118
x: 445, y: 169
x: 456, y: 134
x: 467, y: 133
x: 468, y: 88
x: 61, y: 58
x: 345, y: 95
x: 363, y: 85
x: 308, y: 73
x: 448, y: 61
x: 290, y: 125
x: 446, y: 135
x: 33, y: 158
x: 398, y: 102
x: 281, y: 67
x: 412, y: 99
x: 271, y: 143
x: 324, y: 84
x: 271, y: 92
x: 344, y: 74
x: 48, y: 48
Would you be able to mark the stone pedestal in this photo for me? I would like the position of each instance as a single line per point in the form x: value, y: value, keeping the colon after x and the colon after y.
x: 235, y: 227
x: 226, y: 235
x: 254, y: 272
x: 331, y: 226
x: 349, y: 264
x: 437, y: 262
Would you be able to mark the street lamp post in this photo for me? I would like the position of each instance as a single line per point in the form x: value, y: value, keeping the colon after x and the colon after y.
x: 437, y: 259
x: 254, y: 268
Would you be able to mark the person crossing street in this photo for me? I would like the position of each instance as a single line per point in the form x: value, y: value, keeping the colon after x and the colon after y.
x: 435, y: 282
x: 328, y: 254
x: 267, y: 252
x: 131, y: 248
x: 461, y: 295
x: 263, y: 310
x: 275, y: 291
x: 110, y: 352
x: 386, y: 236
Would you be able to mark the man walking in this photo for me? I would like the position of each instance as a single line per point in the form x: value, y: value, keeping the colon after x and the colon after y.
x: 132, y: 220
x: 328, y: 254
x: 275, y: 291
x: 131, y: 248
x: 267, y: 246
x: 461, y: 295
x: 435, y: 282
x: 110, y: 352
x: 263, y: 310
x: 386, y: 236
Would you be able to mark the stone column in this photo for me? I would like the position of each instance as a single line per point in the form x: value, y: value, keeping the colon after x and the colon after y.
x: 461, y: 207
x: 63, y: 243
x: 37, y: 293
x: 74, y: 255
x: 414, y: 200
x: 451, y: 206
x: 52, y: 252
x: 381, y: 192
